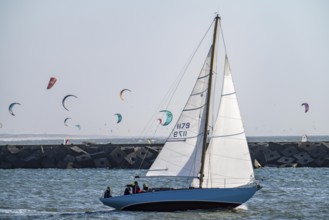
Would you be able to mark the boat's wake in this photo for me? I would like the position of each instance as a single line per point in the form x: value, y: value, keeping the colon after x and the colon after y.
x: 243, y: 207
x: 35, y: 214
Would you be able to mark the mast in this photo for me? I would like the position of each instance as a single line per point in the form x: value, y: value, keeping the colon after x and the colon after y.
x: 205, y: 133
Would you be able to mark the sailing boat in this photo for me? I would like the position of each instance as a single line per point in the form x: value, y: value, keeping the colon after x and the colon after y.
x: 217, y: 162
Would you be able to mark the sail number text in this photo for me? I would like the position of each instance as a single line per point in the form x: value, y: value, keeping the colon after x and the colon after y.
x: 183, y: 127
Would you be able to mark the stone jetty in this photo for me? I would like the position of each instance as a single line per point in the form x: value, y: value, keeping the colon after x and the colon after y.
x: 135, y: 156
x: 290, y: 154
x: 78, y: 156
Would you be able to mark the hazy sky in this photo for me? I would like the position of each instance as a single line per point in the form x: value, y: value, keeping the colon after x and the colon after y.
x: 278, y: 50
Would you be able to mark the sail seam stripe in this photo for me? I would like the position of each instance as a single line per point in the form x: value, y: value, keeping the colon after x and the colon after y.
x: 232, y: 93
x: 192, y: 109
x: 201, y: 77
x: 228, y: 135
x: 199, y: 93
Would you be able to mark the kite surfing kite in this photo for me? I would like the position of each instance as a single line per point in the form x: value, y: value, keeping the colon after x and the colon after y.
x: 64, y: 99
x: 11, y: 106
x: 52, y: 82
x: 119, y: 117
x: 66, y: 121
x: 78, y: 126
x: 169, y: 117
x: 121, y: 93
x: 306, y: 106
x: 160, y: 121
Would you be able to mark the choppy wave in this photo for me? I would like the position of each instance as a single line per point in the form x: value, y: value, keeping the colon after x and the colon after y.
x: 288, y: 193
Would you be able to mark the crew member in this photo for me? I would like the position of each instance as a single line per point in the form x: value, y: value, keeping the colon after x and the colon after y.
x: 108, y: 192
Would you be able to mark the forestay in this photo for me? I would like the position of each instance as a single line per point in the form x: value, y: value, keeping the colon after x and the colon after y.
x: 181, y: 154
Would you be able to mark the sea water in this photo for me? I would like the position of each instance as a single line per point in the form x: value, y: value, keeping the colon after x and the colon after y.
x: 287, y: 193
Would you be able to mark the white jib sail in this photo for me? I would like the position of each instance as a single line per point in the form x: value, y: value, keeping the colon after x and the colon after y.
x: 228, y: 162
x: 181, y: 154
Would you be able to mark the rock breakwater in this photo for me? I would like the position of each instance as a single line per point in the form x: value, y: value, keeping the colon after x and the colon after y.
x: 290, y: 154
x: 135, y: 156
x: 78, y: 156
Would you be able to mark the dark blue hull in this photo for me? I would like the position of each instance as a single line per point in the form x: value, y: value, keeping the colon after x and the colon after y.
x: 182, y: 199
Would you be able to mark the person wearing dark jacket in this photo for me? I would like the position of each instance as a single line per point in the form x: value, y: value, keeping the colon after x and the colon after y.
x: 108, y: 192
x: 127, y: 191
x: 135, y: 187
x: 146, y: 188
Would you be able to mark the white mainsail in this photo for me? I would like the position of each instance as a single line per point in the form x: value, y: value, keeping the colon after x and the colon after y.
x: 228, y: 162
x: 181, y: 154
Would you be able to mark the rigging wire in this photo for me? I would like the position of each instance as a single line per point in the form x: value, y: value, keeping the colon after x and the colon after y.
x: 174, y: 87
x: 221, y: 31
x: 171, y: 93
